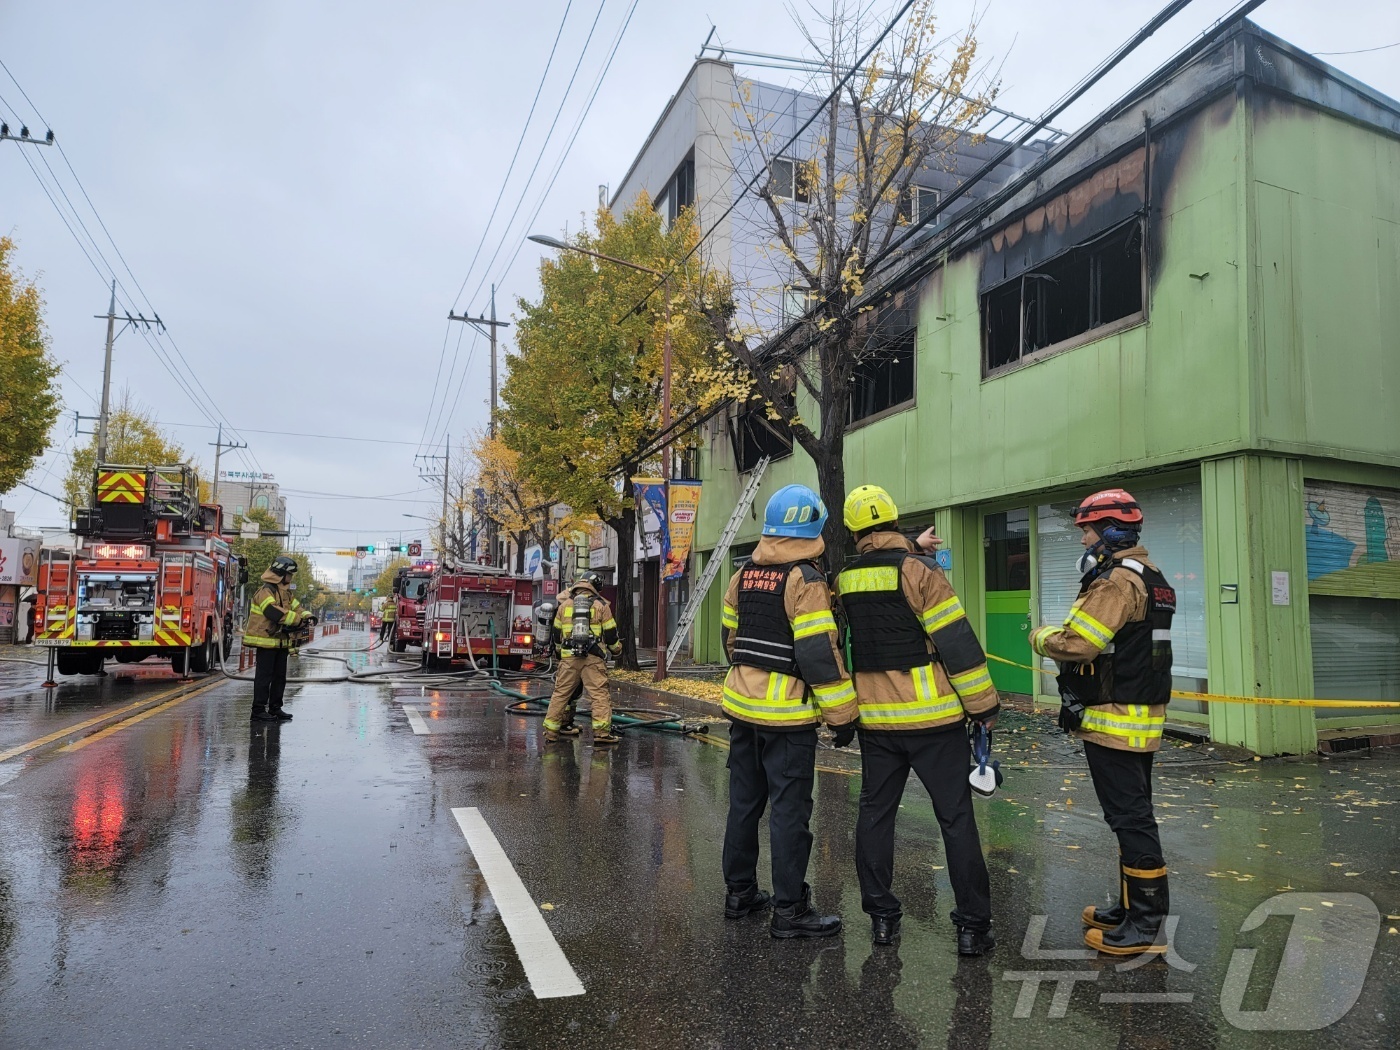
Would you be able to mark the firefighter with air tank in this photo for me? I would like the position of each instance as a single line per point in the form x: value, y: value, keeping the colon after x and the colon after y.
x: 1114, y: 651
x: 583, y: 625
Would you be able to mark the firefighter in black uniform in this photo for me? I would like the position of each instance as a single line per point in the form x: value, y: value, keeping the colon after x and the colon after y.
x: 920, y: 674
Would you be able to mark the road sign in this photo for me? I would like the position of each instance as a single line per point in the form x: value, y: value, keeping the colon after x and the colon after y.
x: 360, y: 554
x: 415, y: 550
x: 345, y: 554
x: 249, y: 530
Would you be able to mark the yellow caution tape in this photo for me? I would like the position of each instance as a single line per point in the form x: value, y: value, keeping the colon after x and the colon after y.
x: 1221, y: 698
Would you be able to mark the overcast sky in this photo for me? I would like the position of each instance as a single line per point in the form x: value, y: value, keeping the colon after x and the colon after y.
x: 300, y: 188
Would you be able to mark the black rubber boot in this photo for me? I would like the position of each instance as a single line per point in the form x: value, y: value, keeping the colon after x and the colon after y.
x: 975, y: 942
x: 1101, y: 918
x: 801, y: 920
x: 884, y: 929
x: 1148, y: 902
x: 737, y: 905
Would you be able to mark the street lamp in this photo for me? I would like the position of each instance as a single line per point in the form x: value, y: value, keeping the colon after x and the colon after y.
x: 558, y: 245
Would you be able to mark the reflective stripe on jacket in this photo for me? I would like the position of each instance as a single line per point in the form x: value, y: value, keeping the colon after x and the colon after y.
x: 953, y: 682
x: 275, y: 610
x: 821, y: 689
x: 1112, y: 600
x: 601, y: 621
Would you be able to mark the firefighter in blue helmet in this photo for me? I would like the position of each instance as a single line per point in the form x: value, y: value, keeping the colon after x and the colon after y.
x: 786, y: 676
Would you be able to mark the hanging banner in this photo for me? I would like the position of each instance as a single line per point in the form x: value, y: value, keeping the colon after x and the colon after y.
x: 650, y: 494
x: 684, y: 502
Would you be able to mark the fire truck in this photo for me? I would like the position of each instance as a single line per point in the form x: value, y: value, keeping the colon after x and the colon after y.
x: 479, y: 610
x: 151, y: 577
x: 410, y: 589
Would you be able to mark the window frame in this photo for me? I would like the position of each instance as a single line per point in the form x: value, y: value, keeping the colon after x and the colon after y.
x: 797, y: 194
x: 915, y: 193
x: 1089, y: 335
x: 736, y: 438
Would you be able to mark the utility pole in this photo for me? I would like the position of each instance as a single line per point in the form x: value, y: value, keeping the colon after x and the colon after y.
x: 446, y: 473
x: 219, y: 446
x: 112, y: 317
x: 487, y: 326
x: 107, y: 377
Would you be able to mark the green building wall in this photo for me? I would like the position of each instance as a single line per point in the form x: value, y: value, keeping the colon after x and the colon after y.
x: 1270, y: 353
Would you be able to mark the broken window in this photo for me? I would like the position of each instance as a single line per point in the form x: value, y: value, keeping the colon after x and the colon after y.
x: 754, y: 436
x: 884, y: 378
x: 1091, y: 285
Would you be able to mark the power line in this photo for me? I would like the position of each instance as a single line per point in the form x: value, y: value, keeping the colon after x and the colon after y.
x: 543, y: 147
x: 486, y: 230
x: 1360, y: 51
x: 573, y: 137
x: 207, y: 406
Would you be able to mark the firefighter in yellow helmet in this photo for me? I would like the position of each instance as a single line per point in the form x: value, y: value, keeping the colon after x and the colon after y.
x: 920, y: 674
x: 582, y: 626
x: 1115, y: 656
x: 276, y: 625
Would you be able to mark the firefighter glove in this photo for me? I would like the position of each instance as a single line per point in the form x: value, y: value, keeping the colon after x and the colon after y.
x: 842, y: 736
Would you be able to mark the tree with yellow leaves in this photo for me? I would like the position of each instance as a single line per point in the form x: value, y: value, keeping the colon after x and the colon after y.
x: 583, y: 394
x: 518, y: 508
x: 28, y: 397
x: 837, y: 201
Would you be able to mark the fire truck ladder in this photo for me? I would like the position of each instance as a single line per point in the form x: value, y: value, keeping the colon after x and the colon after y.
x: 717, y: 556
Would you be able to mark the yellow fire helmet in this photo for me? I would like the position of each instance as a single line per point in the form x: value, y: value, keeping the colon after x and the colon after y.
x: 868, y: 506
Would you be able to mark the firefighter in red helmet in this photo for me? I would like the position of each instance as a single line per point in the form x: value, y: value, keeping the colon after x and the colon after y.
x: 1115, y: 656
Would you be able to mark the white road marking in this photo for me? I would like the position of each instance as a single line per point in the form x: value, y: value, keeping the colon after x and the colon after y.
x: 416, y: 721
x: 548, y: 970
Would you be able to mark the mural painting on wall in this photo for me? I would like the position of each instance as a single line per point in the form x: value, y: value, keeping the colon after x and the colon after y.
x: 1353, y: 537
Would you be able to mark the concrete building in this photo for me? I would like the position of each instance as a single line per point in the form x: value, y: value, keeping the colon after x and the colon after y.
x: 241, y: 491
x: 715, y: 134
x: 1195, y: 297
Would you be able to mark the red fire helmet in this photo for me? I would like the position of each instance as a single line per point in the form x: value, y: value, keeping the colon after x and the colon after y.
x: 1109, y: 505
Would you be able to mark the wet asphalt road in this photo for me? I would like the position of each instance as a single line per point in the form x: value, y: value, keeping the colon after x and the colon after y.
x: 190, y: 880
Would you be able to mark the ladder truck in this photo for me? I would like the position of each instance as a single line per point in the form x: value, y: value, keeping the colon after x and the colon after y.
x: 151, y: 576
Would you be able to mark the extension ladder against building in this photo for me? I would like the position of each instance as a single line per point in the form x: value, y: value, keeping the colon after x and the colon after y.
x: 717, y: 556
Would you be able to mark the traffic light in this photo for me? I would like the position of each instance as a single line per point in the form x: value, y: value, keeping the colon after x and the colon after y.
x: 402, y: 548
x: 366, y: 549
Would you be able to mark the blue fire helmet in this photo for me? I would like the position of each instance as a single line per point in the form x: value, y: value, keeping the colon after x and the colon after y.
x: 794, y: 510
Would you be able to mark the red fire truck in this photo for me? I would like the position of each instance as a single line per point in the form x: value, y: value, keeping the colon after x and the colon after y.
x: 410, y: 589
x: 152, y: 576
x: 479, y: 610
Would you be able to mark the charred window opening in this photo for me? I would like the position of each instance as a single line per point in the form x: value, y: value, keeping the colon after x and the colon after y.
x: 884, y: 377
x: 1091, y: 285
x: 754, y: 436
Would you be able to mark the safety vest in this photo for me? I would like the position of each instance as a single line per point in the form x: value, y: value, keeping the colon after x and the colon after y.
x: 1135, y: 667
x: 389, y: 613
x: 886, y: 634
x: 764, y: 638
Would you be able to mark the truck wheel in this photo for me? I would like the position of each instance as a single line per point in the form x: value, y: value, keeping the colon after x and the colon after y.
x: 228, y: 638
x: 70, y: 662
x: 178, y: 661
x: 508, y: 663
x: 398, y: 645
x: 202, y: 655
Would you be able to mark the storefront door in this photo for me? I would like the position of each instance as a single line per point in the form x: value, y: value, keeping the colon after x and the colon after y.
x: 1006, y: 543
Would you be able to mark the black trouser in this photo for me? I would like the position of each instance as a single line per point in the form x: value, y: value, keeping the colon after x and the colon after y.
x: 1123, y: 782
x: 941, y: 760
x: 770, y: 766
x: 269, y: 680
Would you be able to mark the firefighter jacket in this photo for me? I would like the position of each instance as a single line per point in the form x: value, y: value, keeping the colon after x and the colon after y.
x: 275, y: 616
x: 1109, y: 629
x: 786, y: 669
x: 916, y: 662
x: 601, y: 621
x: 389, y: 613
